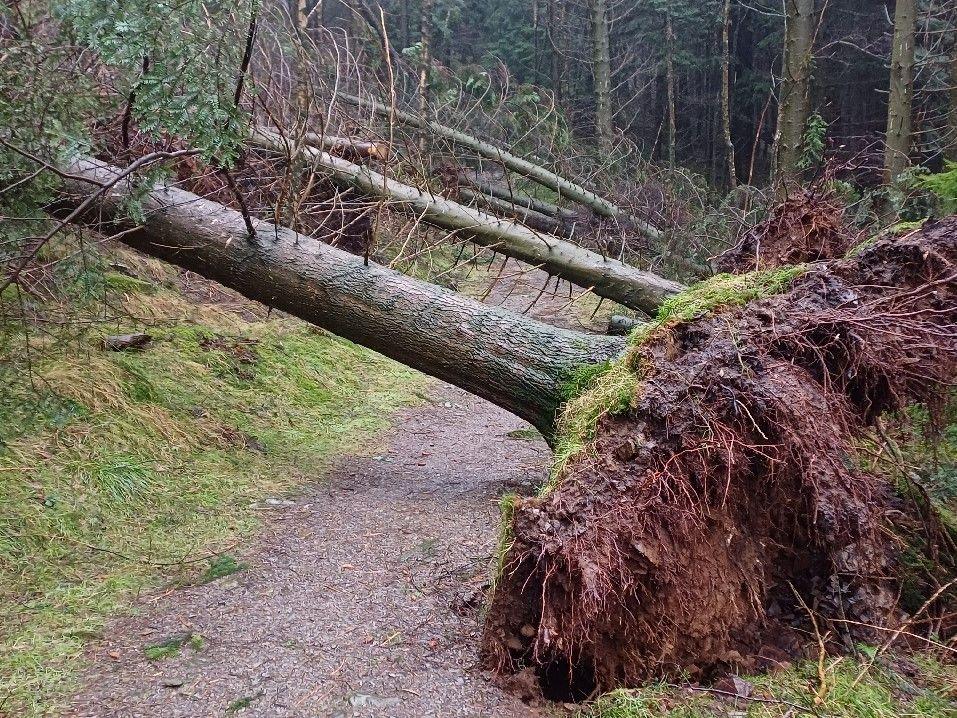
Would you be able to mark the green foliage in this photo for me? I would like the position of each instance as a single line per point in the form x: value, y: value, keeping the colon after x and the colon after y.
x: 812, y: 146
x: 192, y: 50
x: 221, y: 566
x: 503, y: 544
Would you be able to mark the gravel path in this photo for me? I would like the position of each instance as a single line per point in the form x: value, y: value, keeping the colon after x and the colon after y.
x: 360, y: 597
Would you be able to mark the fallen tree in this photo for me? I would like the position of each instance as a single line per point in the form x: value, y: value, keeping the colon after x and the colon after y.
x: 606, y: 277
x: 564, y: 187
x: 706, y: 482
x: 517, y: 363
x: 519, y: 199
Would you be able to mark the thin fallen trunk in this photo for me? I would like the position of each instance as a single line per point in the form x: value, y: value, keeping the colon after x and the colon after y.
x: 520, y: 199
x: 608, y: 278
x: 514, y: 362
x: 348, y: 148
x: 539, y: 174
x: 528, y: 217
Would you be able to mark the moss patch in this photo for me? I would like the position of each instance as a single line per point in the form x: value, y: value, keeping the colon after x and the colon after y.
x: 118, y: 470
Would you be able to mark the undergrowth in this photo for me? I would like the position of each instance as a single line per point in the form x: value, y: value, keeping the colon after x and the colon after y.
x: 121, y: 471
x: 610, y: 388
x: 850, y: 689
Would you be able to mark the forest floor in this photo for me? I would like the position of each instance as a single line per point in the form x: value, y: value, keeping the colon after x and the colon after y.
x: 361, y: 596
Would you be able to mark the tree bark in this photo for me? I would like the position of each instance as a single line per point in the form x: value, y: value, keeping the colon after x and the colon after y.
x: 601, y: 71
x: 726, y: 96
x: 901, y: 99
x: 556, y: 22
x: 527, y: 216
x: 514, y: 362
x: 425, y: 65
x: 794, y: 103
x: 670, y: 83
x: 537, y: 173
x: 519, y: 199
x: 608, y: 278
x: 951, y: 151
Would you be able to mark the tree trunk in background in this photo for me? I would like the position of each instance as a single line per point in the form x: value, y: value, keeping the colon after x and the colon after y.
x: 601, y: 70
x: 556, y: 21
x: 901, y: 99
x: 670, y: 82
x: 425, y: 63
x: 794, y: 99
x: 951, y: 151
x: 514, y: 362
x: 607, y: 277
x: 726, y: 96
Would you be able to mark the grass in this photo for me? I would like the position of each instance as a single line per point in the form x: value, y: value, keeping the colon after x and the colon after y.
x: 171, y: 647
x: 611, y: 388
x: 850, y: 690
x: 119, y: 470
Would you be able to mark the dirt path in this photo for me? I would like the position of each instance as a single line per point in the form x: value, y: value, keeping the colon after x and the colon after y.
x: 360, y: 596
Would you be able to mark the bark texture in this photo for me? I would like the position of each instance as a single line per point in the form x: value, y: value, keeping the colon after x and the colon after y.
x: 601, y: 71
x: 795, y: 94
x: 901, y: 99
x: 726, y: 96
x: 514, y: 362
x: 606, y: 277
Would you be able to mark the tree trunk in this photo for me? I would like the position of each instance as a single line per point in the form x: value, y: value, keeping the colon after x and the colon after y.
x: 425, y: 66
x: 519, y: 199
x: 527, y: 216
x: 608, y: 278
x: 670, y: 82
x: 794, y: 104
x: 726, y: 96
x: 514, y: 362
x: 532, y: 171
x: 556, y: 29
x: 601, y: 70
x: 951, y: 151
x: 901, y: 99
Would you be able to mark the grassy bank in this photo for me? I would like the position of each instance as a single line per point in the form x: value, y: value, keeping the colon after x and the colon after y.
x: 121, y: 471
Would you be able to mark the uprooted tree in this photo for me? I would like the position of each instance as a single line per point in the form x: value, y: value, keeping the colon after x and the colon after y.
x: 707, y: 477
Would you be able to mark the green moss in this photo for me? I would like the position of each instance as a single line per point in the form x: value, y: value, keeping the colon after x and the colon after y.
x: 851, y: 690
x: 503, y: 545
x: 126, y: 283
x: 610, y: 388
x: 118, y: 469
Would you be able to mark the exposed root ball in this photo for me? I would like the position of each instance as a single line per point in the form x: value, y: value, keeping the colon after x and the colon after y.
x: 730, y: 486
x: 807, y: 227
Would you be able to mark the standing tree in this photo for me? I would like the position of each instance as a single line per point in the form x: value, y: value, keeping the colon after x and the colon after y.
x: 794, y: 99
x: 726, y: 95
x: 601, y: 70
x: 900, y: 102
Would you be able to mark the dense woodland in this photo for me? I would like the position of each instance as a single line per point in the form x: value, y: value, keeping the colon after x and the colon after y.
x: 705, y: 249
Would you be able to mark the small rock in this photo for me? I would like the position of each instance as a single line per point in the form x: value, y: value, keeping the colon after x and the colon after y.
x: 122, y: 342
x: 514, y: 644
x: 173, y: 682
x: 528, y: 630
x: 363, y: 700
